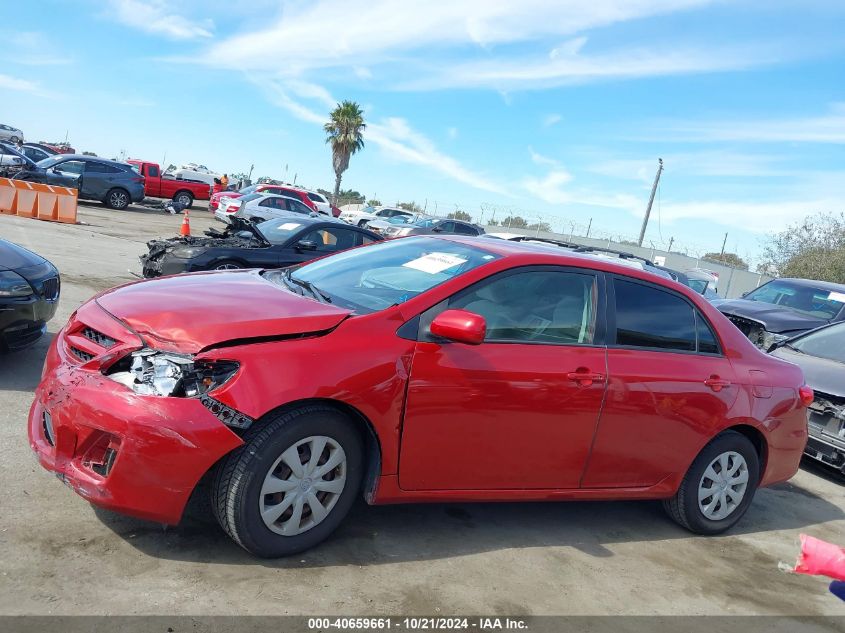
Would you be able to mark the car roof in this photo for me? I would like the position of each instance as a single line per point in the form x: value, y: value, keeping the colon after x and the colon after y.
x: 97, y: 159
x: 810, y: 283
x: 264, y: 194
x: 563, y: 254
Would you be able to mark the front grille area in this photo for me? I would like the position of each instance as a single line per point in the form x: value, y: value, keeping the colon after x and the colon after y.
x: 98, y: 337
x: 50, y: 288
x: 81, y: 354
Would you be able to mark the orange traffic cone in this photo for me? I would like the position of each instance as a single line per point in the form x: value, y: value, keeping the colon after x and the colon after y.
x: 185, y: 230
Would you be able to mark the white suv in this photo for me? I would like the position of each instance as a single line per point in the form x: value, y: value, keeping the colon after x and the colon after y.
x: 365, y: 214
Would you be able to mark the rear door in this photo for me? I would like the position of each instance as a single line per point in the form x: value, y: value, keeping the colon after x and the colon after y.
x: 98, y: 178
x: 518, y: 411
x: 670, y: 387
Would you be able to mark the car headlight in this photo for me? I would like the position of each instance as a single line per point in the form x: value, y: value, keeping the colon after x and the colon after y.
x: 186, y: 252
x: 152, y: 373
x: 767, y: 339
x: 13, y: 285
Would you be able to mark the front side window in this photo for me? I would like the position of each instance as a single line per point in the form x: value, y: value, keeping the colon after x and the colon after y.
x: 388, y: 273
x: 330, y: 240
x: 537, y: 306
x: 649, y: 317
x: 75, y: 167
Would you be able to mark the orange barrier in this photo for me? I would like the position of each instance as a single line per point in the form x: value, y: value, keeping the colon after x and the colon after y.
x: 34, y: 200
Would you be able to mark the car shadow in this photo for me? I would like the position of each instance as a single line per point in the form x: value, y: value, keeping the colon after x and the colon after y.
x: 21, y: 370
x: 377, y: 535
x: 824, y: 471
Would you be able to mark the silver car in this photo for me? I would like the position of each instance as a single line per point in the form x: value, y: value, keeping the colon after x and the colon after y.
x: 9, y: 133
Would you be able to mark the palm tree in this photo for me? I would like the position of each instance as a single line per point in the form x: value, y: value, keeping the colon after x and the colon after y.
x: 345, y: 133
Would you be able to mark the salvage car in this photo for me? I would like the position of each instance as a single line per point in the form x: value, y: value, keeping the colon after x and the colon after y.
x: 271, y: 244
x: 367, y: 213
x: 402, y: 227
x: 263, y: 206
x: 783, y: 308
x: 29, y: 295
x: 113, y: 183
x: 423, y: 369
x: 820, y: 353
x: 9, y: 133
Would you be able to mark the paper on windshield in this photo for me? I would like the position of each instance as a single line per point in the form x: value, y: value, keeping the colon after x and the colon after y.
x: 836, y: 296
x: 289, y: 226
x: 434, y: 263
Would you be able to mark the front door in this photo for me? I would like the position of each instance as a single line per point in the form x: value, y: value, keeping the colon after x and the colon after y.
x: 519, y: 410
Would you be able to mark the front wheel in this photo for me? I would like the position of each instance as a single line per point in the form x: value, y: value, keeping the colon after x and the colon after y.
x: 718, y: 487
x: 117, y: 199
x: 227, y: 265
x: 292, y: 482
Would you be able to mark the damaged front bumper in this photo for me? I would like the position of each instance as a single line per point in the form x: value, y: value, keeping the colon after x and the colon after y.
x: 140, y: 455
x: 826, y: 426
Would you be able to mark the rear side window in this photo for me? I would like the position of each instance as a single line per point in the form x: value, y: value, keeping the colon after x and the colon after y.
x: 100, y: 168
x: 707, y: 343
x: 465, y: 229
x: 653, y: 318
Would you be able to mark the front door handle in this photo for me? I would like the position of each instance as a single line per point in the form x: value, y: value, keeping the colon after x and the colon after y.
x: 716, y: 383
x: 584, y: 377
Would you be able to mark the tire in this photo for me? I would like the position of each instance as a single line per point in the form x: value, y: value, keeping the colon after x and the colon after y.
x: 184, y: 198
x: 706, y: 516
x: 227, y: 264
x: 238, y: 482
x: 13, y: 139
x: 117, y: 199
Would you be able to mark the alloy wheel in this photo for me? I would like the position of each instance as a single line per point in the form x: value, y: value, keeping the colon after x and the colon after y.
x: 227, y: 267
x: 118, y: 199
x: 723, y: 485
x: 303, y: 485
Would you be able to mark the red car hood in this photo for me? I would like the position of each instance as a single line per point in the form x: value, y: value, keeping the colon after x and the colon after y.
x: 187, y: 313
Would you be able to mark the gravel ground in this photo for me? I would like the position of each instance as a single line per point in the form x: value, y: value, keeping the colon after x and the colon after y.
x: 61, y: 556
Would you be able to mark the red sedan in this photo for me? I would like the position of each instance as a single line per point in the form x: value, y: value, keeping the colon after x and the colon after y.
x: 421, y: 369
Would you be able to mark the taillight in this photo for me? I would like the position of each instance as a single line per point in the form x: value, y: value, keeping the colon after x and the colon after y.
x: 141, y: 179
x: 806, y: 395
x: 232, y: 208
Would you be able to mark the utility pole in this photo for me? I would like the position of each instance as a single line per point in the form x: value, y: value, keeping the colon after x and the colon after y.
x: 722, y: 253
x: 650, y: 201
x: 588, y: 227
x: 671, y: 241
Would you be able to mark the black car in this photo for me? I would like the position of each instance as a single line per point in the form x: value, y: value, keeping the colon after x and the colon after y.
x: 821, y: 356
x: 29, y: 294
x: 783, y: 308
x: 400, y: 226
x: 113, y: 183
x: 270, y: 244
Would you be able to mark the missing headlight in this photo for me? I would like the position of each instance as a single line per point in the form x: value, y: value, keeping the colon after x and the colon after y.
x: 152, y: 373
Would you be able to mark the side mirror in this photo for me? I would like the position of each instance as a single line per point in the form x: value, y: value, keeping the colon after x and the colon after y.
x: 306, y: 245
x: 436, y: 229
x: 460, y: 326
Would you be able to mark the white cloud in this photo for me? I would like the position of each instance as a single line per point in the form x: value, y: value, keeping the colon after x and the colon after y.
x: 32, y: 48
x: 709, y: 163
x: 452, y: 132
x: 551, y: 119
x: 22, y: 85
x: 823, y: 128
x: 362, y: 72
x: 574, y: 67
x: 756, y: 216
x: 158, y: 18
x: 393, y: 134
x: 366, y: 32
x: 539, y: 159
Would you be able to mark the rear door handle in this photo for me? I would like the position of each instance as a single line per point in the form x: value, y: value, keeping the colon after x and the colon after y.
x: 585, y: 378
x: 716, y: 383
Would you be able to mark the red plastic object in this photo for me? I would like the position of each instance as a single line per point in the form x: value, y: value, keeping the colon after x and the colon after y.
x: 820, y: 558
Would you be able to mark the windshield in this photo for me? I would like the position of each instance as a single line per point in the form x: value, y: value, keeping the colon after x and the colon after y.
x: 279, y: 231
x: 827, y: 343
x: 388, y: 273
x: 815, y: 302
x: 248, y: 190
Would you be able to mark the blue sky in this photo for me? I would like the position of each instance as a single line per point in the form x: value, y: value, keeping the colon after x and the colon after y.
x: 552, y: 109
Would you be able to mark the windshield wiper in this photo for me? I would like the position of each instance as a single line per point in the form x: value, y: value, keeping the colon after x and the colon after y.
x: 314, y: 290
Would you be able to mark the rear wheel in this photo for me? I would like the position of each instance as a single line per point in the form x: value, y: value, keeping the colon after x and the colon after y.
x: 14, y: 139
x: 117, y: 199
x: 718, y: 487
x: 227, y: 265
x: 185, y: 198
x: 292, y: 482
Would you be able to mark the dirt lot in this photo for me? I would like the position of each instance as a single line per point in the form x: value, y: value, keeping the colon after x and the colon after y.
x: 61, y: 556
